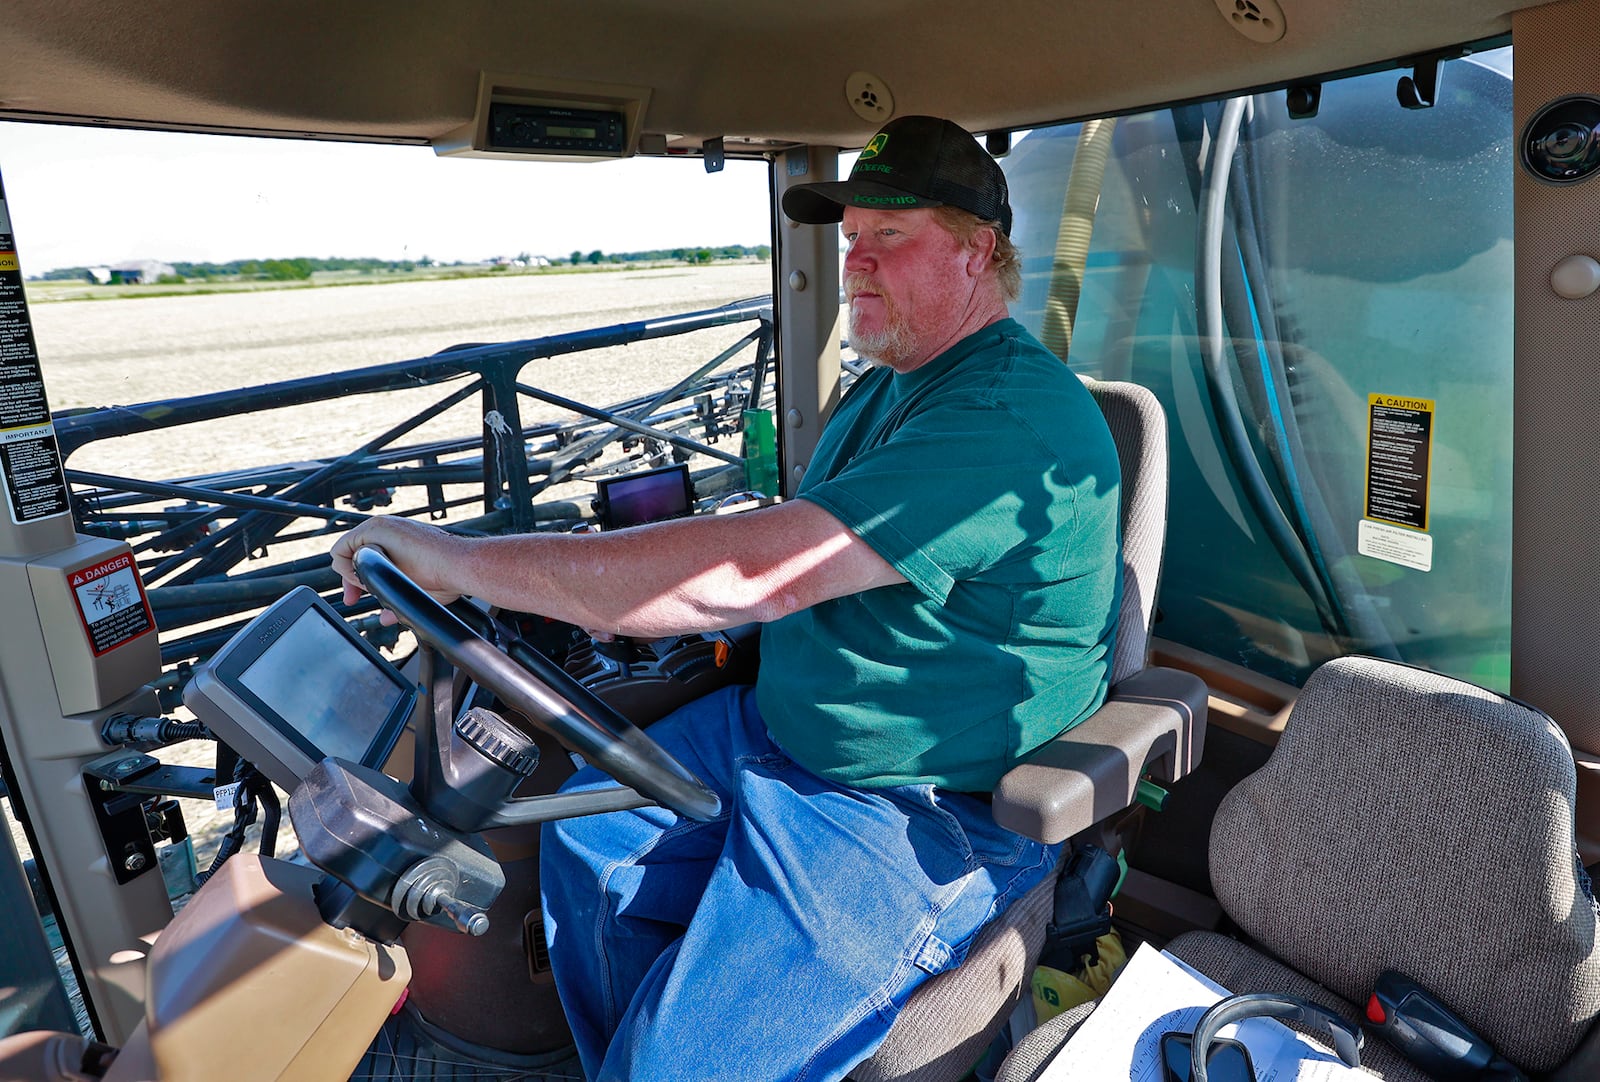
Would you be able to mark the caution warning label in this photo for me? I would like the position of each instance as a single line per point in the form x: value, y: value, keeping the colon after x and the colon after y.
x: 111, y: 602
x: 1399, y: 444
x: 1408, y: 548
x: 30, y: 461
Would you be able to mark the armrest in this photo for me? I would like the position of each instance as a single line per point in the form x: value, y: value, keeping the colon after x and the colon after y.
x: 1154, y: 721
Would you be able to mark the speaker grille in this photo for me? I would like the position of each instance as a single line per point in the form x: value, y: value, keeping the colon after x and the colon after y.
x: 1258, y: 20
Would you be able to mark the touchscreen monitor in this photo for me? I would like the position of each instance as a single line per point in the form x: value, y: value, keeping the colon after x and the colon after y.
x: 296, y: 685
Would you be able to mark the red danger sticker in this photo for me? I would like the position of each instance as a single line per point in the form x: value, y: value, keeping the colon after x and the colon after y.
x: 111, y: 602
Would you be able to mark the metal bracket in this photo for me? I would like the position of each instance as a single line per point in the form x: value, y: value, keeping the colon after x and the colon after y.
x: 712, y: 149
x: 120, y: 814
x: 194, y: 782
x: 1420, y: 89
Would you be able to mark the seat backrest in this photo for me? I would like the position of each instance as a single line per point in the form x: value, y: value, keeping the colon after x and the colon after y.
x: 1139, y: 427
x: 1411, y: 821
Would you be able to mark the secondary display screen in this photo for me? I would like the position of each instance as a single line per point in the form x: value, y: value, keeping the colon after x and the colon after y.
x: 334, y: 695
x: 650, y: 496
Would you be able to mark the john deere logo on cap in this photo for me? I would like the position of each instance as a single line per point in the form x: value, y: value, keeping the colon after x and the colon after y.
x: 874, y: 148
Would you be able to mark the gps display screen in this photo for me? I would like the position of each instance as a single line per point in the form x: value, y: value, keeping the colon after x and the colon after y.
x: 296, y: 685
x: 332, y: 694
x: 650, y: 496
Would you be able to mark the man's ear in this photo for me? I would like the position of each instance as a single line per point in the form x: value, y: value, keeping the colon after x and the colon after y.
x: 980, y: 251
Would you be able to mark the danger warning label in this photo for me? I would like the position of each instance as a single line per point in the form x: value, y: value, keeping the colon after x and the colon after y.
x: 111, y: 602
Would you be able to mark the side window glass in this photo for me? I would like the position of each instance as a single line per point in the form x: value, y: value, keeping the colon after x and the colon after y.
x: 1323, y: 305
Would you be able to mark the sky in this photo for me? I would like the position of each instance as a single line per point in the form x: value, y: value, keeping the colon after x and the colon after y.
x: 83, y: 196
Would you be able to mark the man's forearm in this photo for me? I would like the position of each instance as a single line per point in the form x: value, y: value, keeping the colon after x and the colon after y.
x: 645, y: 582
x: 697, y: 574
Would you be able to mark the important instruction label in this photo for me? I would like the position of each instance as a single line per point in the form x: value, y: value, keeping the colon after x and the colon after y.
x: 22, y: 399
x: 1399, y: 443
x: 31, y: 464
x: 111, y: 602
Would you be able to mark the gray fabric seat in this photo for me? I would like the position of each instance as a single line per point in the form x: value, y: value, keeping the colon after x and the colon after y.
x: 1414, y: 822
x: 1153, y: 722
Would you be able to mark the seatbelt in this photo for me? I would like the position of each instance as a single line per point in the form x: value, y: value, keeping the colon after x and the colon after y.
x: 1071, y: 969
x: 1430, y: 1035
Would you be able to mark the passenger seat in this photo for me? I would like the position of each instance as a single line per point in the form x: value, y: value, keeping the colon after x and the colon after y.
x: 1413, y: 822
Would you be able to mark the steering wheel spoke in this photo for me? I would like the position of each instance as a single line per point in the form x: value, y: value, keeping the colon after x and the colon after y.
x: 540, y: 690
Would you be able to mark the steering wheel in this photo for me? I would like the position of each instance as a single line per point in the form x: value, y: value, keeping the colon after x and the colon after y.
x: 552, y: 699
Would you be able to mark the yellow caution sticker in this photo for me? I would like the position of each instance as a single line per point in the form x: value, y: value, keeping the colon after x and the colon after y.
x: 9, y: 261
x: 1399, y: 450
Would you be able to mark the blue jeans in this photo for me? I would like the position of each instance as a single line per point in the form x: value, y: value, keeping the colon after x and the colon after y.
x: 778, y: 941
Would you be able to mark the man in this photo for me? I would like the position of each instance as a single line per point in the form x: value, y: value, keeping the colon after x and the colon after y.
x: 939, y: 599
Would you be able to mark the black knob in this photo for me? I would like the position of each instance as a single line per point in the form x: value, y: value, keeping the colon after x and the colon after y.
x: 621, y: 648
x: 498, y: 741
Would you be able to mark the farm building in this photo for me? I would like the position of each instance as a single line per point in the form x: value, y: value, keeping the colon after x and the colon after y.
x: 141, y: 272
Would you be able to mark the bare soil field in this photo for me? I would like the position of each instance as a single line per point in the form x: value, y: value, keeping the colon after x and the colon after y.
x: 126, y: 352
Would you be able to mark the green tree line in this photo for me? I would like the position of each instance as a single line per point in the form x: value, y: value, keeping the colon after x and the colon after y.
x: 679, y: 255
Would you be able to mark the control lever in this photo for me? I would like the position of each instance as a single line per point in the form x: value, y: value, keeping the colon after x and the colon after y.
x: 1430, y: 1035
x: 621, y: 649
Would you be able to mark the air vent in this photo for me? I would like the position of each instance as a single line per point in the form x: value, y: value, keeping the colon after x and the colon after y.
x: 1258, y: 20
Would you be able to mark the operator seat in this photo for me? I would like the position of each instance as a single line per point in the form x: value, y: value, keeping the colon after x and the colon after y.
x: 1153, y: 722
x: 1406, y: 821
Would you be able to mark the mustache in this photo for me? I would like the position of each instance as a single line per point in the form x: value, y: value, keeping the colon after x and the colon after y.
x: 860, y: 282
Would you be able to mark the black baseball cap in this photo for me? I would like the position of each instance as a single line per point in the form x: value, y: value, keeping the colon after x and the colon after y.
x: 915, y: 161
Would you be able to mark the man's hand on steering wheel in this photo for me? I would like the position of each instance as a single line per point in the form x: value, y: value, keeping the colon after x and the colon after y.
x: 426, y: 554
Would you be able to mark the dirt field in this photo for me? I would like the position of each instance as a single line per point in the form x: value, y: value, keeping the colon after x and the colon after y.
x: 107, y: 353
x: 126, y: 352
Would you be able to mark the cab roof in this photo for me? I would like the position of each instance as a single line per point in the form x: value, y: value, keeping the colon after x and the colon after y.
x: 758, y: 73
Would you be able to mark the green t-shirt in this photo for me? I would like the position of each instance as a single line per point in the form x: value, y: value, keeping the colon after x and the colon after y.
x: 987, y: 477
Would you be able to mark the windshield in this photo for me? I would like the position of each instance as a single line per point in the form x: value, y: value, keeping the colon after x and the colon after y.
x: 340, y: 330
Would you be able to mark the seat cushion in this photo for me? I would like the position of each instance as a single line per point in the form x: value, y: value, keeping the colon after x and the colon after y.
x: 1035, y: 1051
x: 1237, y: 968
x: 1240, y: 968
x: 1139, y: 428
x: 950, y: 1021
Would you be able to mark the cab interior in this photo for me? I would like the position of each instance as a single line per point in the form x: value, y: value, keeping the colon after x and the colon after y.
x: 1296, y: 226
